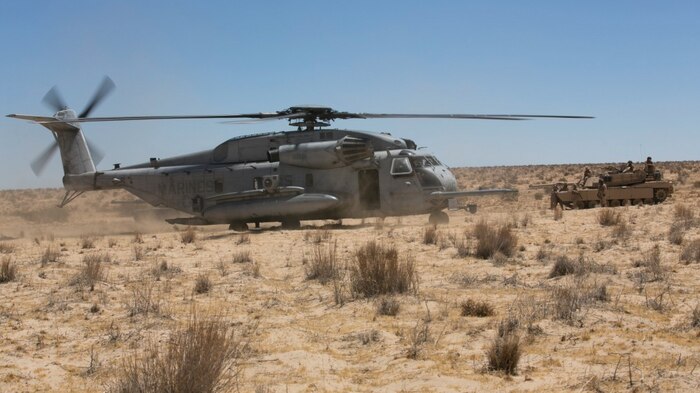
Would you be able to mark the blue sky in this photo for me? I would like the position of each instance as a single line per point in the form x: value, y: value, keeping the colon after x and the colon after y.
x: 635, y: 65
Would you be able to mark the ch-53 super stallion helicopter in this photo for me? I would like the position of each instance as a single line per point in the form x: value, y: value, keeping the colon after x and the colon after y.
x: 310, y: 173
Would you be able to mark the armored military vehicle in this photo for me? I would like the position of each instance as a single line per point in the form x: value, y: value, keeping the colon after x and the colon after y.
x: 624, y: 188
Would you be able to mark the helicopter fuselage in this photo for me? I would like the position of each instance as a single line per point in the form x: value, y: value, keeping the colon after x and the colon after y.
x: 298, y: 175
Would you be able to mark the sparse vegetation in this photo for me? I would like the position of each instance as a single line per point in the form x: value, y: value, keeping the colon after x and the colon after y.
x: 608, y: 217
x: 188, y: 235
x: 377, y: 270
x: 324, y: 265
x: 51, y: 254
x: 419, y: 335
x: 8, y: 270
x: 563, y: 266
x: 7, y: 248
x: 492, y: 240
x: 87, y: 242
x: 504, y: 352
x: 243, y: 238
x: 242, y: 257
x: 676, y: 233
x: 91, y: 272
x: 691, y: 252
x: 201, y: 356
x: 430, y: 235
x: 476, y: 308
x: 202, y: 284
x: 387, y: 306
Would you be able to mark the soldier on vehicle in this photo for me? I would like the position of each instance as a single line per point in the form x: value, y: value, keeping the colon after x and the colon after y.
x: 602, y: 193
x: 628, y: 168
x: 586, y: 176
x: 649, y: 167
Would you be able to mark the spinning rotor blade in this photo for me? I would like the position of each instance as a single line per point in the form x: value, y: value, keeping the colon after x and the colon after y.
x: 96, y: 153
x: 103, y: 90
x: 40, y: 162
x: 53, y: 100
x: 266, y: 116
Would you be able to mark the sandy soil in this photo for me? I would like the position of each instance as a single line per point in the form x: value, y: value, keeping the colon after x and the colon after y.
x: 57, y: 334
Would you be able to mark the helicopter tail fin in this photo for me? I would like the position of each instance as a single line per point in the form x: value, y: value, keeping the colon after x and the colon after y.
x: 75, y: 153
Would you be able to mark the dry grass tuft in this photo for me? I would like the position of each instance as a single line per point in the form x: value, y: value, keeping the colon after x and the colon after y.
x: 476, y: 308
x: 318, y: 236
x: 324, y: 265
x: 242, y: 257
x: 695, y: 316
x: 388, y: 306
x: 430, y: 235
x: 202, y: 284
x: 491, y: 240
x: 504, y: 352
x: 563, y: 266
x: 676, y: 233
x: 243, y: 238
x: 376, y: 270
x: 202, y: 356
x: 143, y: 299
x: 608, y: 217
x: 51, y: 254
x: 651, y: 262
x: 7, y: 248
x: 91, y: 272
x: 8, y: 270
x: 683, y: 213
x: 87, y: 242
x: 691, y: 252
x: 419, y: 335
x: 188, y: 235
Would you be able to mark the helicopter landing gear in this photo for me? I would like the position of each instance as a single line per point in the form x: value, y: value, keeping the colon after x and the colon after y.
x: 439, y: 218
x: 238, y: 226
x: 291, y: 224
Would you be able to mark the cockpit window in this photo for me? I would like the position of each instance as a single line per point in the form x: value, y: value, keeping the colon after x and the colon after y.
x: 401, y: 166
x: 434, y: 161
x: 420, y: 162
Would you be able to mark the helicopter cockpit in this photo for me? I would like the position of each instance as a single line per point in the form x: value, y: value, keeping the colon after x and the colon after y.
x: 431, y: 173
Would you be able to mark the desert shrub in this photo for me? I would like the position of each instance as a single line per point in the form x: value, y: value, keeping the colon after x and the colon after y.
x: 691, y: 252
x: 608, y: 217
x: 539, y: 196
x: 51, y: 254
x: 143, y: 300
x: 621, y: 231
x: 388, y: 306
x: 202, y: 284
x: 504, y: 352
x: 242, y: 257
x: 7, y: 248
x: 317, y: 236
x: 430, y: 235
x: 683, y: 213
x: 568, y: 300
x: 87, y: 242
x: 651, y: 262
x: 695, y: 316
x: 563, y: 266
x: 91, y: 272
x: 419, y: 335
x: 188, y: 235
x: 376, y: 270
x: 675, y: 233
x: 138, y: 238
x: 324, y: 264
x: 462, y: 245
x: 491, y: 240
x: 200, y: 357
x: 476, y: 308
x: 8, y: 270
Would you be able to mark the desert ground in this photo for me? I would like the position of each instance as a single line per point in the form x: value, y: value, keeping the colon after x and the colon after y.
x: 589, y: 307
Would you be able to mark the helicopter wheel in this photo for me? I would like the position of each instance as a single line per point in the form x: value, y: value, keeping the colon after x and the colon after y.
x: 439, y: 218
x: 291, y: 224
x: 238, y: 226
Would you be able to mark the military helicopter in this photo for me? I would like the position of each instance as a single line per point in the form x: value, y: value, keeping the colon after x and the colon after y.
x: 311, y: 173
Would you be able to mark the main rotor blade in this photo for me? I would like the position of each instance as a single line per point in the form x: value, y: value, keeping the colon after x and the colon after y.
x: 299, y: 115
x: 40, y: 162
x: 53, y: 100
x: 103, y: 90
x: 457, y: 116
x: 95, y: 152
x: 183, y: 117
